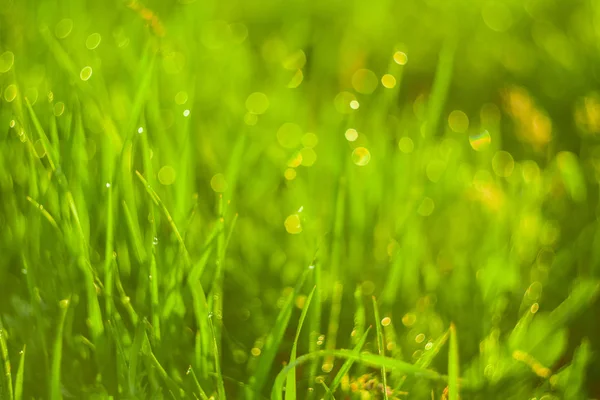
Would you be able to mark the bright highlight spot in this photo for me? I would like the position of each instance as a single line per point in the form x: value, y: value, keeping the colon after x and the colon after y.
x: 351, y: 135
x: 342, y: 102
x: 186, y: 113
x: 386, y: 321
x: 290, y: 174
x: 354, y: 105
x: 400, y: 58
x: 388, y: 81
x: 86, y: 73
x: 480, y: 141
x: 292, y: 224
x: 361, y: 156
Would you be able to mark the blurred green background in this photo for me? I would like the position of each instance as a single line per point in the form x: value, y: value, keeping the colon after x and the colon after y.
x: 169, y: 170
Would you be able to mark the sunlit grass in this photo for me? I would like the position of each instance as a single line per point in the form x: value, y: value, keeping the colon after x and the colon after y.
x: 365, y: 200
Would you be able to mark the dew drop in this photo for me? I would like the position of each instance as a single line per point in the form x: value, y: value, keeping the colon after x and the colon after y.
x: 292, y: 224
x: 7, y: 60
x: 93, y: 41
x: 86, y: 73
x: 480, y: 141
x: 361, y: 156
x: 351, y: 135
x: 63, y: 28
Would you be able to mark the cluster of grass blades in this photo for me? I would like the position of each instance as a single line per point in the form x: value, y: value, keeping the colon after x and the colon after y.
x: 301, y: 200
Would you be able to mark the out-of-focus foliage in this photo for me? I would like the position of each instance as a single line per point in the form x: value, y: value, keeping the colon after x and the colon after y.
x: 177, y: 176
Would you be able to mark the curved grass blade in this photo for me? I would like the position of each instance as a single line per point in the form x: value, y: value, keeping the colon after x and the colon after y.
x: 290, y: 388
x: 6, y: 362
x: 220, y: 384
x: 203, y: 395
x: 453, y: 365
x: 55, y: 392
x: 349, y: 362
x: 19, y: 378
x: 380, y: 346
x: 372, y: 360
x: 265, y: 363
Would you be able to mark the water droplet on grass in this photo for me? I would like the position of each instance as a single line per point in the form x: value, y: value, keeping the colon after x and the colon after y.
x: 186, y: 113
x: 290, y: 174
x: 386, y: 321
x: 7, y: 60
x: 93, y: 41
x: 63, y: 28
x: 293, y: 224
x: 351, y: 135
x: 59, y: 108
x: 400, y: 58
x: 388, y: 81
x: 10, y: 93
x: 86, y: 73
x: 361, y: 156
x: 480, y: 141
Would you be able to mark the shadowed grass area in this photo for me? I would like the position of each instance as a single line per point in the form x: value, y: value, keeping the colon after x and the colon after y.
x: 299, y: 200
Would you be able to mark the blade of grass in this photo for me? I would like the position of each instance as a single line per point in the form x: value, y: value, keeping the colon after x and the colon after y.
x: 290, y: 392
x: 20, y: 373
x: 453, y: 365
x: 334, y: 323
x: 203, y: 395
x: 380, y: 346
x: 220, y: 384
x: 371, y: 360
x: 5, y: 362
x: 55, y: 378
x: 337, y: 380
x: 265, y: 362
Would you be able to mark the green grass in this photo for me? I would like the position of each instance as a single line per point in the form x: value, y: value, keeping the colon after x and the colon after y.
x: 203, y: 199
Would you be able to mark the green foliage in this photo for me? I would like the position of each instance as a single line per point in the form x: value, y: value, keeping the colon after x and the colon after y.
x: 198, y: 199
